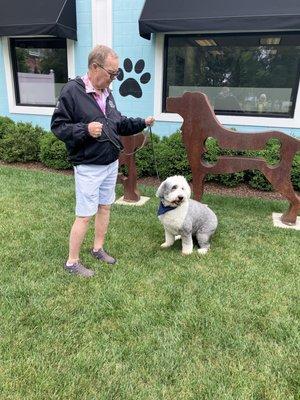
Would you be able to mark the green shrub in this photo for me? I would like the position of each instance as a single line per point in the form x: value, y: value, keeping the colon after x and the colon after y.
x: 213, y: 150
x: 20, y: 143
x: 171, y: 157
x: 5, y: 123
x: 271, y: 154
x: 258, y: 181
x: 53, y: 152
x: 296, y: 172
x: 144, y: 157
x: 231, y: 180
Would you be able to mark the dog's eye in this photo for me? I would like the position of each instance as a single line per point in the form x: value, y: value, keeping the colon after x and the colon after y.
x: 174, y: 187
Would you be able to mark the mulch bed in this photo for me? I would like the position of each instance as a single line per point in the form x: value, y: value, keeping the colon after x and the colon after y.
x: 242, y: 190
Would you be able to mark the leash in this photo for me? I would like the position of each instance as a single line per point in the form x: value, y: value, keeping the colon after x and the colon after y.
x: 153, y: 152
x: 139, y: 148
x: 117, y: 145
x: 148, y: 132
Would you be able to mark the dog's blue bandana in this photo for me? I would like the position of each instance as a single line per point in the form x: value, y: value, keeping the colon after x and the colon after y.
x: 163, y: 209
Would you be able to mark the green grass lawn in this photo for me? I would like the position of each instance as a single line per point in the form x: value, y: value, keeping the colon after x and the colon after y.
x: 157, y: 325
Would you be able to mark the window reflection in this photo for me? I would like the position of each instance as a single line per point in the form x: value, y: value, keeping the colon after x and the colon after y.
x: 40, y: 70
x: 241, y: 74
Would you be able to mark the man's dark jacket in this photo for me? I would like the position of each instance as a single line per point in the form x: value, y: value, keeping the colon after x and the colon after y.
x: 75, y: 110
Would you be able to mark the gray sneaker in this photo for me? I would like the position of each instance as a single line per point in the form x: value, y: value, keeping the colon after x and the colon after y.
x: 79, y: 269
x: 103, y: 256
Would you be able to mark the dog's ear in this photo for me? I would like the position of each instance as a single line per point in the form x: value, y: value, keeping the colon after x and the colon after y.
x: 188, y: 190
x: 160, y: 190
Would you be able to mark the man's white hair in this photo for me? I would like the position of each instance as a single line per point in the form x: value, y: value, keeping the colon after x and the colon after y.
x: 99, y: 55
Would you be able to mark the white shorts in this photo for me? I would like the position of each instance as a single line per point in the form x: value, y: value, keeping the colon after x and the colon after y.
x: 94, y: 185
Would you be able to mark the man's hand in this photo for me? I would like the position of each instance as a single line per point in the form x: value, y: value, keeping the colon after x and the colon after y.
x: 149, y: 121
x: 95, y: 129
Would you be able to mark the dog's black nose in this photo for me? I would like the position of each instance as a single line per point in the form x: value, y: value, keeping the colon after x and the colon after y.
x: 180, y: 198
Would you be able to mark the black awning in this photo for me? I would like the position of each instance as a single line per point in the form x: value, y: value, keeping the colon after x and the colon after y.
x: 219, y: 16
x: 38, y: 17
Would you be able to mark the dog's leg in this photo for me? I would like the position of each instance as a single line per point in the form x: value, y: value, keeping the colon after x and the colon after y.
x: 187, y: 244
x: 169, y: 239
x: 203, y: 241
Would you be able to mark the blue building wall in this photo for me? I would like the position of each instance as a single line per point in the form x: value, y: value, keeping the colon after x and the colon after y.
x: 83, y: 45
x: 129, y: 45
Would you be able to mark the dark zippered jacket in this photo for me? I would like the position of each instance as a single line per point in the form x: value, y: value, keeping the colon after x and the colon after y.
x: 75, y: 109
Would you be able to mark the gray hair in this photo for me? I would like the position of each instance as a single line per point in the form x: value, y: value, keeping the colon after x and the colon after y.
x: 99, y: 55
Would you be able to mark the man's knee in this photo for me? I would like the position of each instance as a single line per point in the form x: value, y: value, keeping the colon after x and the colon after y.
x: 83, y: 220
x: 104, y: 207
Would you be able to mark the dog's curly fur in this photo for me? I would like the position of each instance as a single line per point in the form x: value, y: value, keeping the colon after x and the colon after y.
x: 180, y: 215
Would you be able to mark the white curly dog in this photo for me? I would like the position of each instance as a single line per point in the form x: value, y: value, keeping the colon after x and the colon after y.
x: 180, y: 215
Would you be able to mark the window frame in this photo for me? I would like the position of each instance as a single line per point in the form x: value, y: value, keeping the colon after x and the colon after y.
x: 225, y: 118
x: 15, y: 108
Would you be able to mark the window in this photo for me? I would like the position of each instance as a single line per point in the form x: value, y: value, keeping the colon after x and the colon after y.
x: 242, y: 74
x: 39, y: 69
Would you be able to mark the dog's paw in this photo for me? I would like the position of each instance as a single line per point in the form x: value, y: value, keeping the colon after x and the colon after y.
x: 186, y: 252
x: 165, y: 245
x: 203, y: 251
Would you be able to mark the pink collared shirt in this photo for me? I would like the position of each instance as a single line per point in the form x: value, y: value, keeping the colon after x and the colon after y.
x: 100, y: 98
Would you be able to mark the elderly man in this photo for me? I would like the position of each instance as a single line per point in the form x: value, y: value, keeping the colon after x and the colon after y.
x: 86, y: 119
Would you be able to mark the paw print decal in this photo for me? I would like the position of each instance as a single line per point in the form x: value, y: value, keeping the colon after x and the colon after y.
x: 131, y: 87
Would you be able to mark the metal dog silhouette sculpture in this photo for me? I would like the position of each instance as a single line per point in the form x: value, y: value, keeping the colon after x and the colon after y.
x: 129, y: 182
x: 200, y: 122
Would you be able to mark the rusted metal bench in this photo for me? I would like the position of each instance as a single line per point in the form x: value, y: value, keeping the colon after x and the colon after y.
x: 200, y: 122
x: 129, y: 181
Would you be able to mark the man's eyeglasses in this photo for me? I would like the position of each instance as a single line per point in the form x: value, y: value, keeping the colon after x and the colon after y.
x: 112, y: 75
